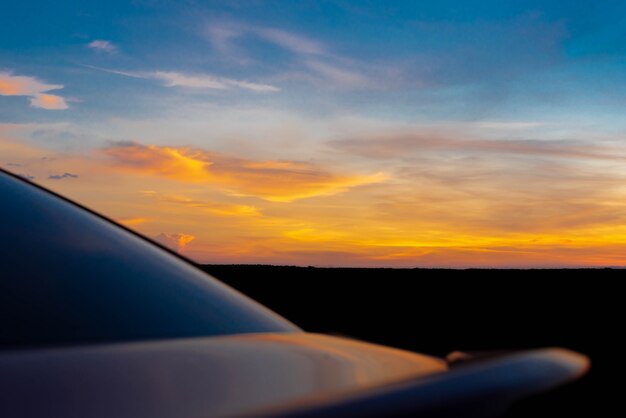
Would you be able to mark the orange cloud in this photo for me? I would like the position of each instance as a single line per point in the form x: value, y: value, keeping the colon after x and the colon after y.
x: 49, y: 101
x: 176, y: 242
x: 12, y: 85
x: 277, y: 181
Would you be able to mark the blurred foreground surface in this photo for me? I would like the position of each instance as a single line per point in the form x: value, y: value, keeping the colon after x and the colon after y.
x: 439, y: 311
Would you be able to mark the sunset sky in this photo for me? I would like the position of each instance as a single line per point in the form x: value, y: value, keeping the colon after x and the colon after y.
x: 330, y: 133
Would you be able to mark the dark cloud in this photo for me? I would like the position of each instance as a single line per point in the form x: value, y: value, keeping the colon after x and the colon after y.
x: 63, y: 176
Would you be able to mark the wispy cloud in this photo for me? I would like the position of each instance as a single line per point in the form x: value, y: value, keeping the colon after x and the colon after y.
x: 223, y: 35
x: 290, y: 41
x: 195, y: 81
x: 103, y: 45
x: 316, y: 61
x: 14, y: 85
x: 203, y: 81
x: 340, y: 76
x: 278, y: 181
x: 214, y: 208
x: 174, y: 79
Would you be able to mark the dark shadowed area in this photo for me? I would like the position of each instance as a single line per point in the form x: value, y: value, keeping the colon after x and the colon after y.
x: 440, y: 311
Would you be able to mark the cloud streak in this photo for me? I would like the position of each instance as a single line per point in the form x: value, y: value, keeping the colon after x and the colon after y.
x: 35, y: 90
x: 277, y: 181
x: 402, y: 144
x: 211, y: 207
x: 175, y: 79
x: 198, y: 82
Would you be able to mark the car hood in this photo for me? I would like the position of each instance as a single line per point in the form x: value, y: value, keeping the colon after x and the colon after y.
x: 264, y: 375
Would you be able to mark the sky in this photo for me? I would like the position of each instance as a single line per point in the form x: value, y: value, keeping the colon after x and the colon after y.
x: 329, y: 133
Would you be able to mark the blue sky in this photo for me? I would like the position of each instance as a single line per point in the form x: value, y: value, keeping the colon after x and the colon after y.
x: 413, y: 96
x: 443, y: 60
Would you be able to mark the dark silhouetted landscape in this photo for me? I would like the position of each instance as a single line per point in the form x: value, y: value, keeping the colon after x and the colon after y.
x: 436, y: 311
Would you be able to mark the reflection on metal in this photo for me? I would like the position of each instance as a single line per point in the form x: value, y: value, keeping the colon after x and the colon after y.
x: 209, y: 377
x: 267, y: 375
